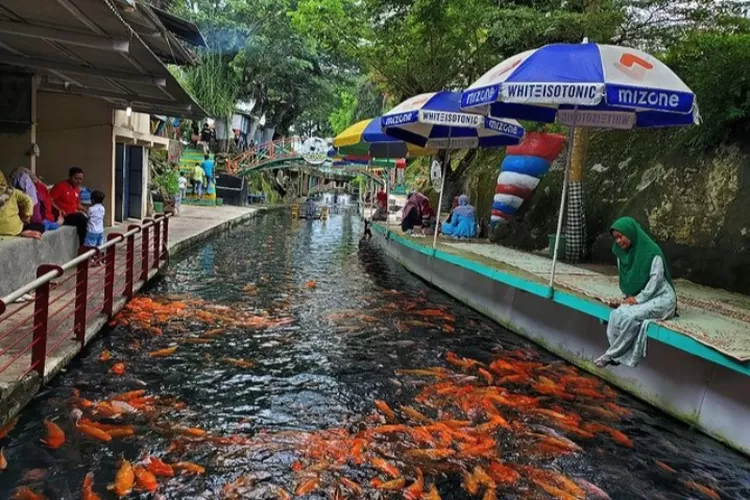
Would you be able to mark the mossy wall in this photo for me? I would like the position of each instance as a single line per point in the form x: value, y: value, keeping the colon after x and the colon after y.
x: 697, y: 205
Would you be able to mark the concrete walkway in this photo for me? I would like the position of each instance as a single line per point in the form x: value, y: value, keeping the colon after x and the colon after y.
x: 17, y: 383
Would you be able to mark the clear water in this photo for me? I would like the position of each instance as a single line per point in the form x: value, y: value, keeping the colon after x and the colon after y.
x: 321, y: 372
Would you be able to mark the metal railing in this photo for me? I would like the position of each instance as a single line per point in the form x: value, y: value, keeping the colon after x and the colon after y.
x: 280, y: 149
x: 89, y: 286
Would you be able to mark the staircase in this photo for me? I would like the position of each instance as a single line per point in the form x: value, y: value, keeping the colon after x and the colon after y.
x: 188, y: 160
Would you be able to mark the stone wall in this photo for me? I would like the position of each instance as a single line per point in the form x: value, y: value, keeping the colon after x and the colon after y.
x: 696, y: 205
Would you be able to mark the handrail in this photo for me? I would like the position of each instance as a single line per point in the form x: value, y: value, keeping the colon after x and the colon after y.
x: 47, y: 277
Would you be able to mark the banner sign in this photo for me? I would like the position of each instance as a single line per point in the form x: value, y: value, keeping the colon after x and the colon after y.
x: 503, y: 127
x: 596, y: 119
x: 586, y: 94
x: 646, y: 98
x: 450, y: 119
x: 398, y: 119
x: 480, y: 96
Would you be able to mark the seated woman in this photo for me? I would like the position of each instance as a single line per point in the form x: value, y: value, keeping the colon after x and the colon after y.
x: 649, y: 293
x: 45, y: 205
x: 381, y: 211
x: 428, y: 217
x: 25, y: 181
x: 412, y: 214
x: 463, y: 220
x: 16, y: 210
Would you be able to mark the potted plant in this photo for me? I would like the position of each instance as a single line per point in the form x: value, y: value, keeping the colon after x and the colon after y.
x: 167, y: 184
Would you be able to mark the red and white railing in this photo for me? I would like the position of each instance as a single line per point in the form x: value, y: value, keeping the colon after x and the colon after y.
x: 60, y: 313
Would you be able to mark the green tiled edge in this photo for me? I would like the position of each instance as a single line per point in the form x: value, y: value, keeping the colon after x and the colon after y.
x: 590, y: 307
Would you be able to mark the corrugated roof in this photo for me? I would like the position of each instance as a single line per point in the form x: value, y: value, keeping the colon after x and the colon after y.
x: 100, y: 48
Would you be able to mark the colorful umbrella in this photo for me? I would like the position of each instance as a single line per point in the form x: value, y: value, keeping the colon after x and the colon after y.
x: 435, y: 120
x: 601, y: 86
x: 366, y: 138
x: 583, y: 85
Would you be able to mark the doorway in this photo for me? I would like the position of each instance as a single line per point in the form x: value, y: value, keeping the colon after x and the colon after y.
x: 128, y: 182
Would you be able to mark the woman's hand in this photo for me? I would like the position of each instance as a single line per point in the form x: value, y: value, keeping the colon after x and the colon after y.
x: 630, y: 301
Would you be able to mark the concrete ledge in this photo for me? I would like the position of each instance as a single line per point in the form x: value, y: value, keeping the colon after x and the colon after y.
x: 19, y: 257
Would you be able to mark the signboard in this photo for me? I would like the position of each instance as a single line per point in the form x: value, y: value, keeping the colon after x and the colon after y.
x: 314, y: 150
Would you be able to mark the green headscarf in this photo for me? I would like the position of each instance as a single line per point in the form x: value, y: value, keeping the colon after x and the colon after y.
x: 635, y: 262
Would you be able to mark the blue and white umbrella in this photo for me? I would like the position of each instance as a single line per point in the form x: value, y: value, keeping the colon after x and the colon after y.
x: 435, y: 120
x: 585, y: 85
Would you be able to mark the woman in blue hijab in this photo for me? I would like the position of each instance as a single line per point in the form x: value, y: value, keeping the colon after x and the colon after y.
x: 463, y: 220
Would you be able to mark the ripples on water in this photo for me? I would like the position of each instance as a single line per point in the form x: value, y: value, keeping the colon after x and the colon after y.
x: 314, y: 374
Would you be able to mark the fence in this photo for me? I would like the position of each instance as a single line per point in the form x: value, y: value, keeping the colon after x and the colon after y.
x: 73, y: 300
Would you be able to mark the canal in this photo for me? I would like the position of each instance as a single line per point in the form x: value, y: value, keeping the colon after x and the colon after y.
x: 287, y: 357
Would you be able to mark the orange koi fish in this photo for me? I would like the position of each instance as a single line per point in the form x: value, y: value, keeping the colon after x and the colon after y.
x: 437, y: 371
x: 127, y: 396
x: 5, y: 430
x: 311, y: 284
x: 124, y: 479
x: 188, y: 468
x: 413, y: 414
x: 617, y: 436
x: 118, y: 369
x: 3, y: 461
x: 55, y: 435
x: 623, y: 412
x: 490, y: 494
x: 458, y: 361
x: 159, y: 468
x: 704, y: 490
x: 145, y: 479
x: 93, y: 432
x: 307, y: 486
x: 122, y: 432
x: 26, y: 493
x: 105, y: 355
x: 193, y: 432
x: 486, y: 375
x: 415, y: 489
x: 385, y: 467
x: 592, y: 490
x: 430, y: 453
x: 163, y: 353
x: 664, y: 467
x: 502, y: 474
x: 393, y: 484
x: 87, y: 488
x: 600, y: 412
x: 239, y: 363
x: 471, y: 485
x: 433, y: 494
x: 281, y: 493
x: 352, y: 486
x: 385, y: 410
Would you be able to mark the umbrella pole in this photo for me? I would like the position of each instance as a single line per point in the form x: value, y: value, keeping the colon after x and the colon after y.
x: 440, y: 199
x: 568, y: 158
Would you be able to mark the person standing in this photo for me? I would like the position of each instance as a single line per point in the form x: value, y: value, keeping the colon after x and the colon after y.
x: 66, y: 195
x: 646, y: 282
x: 198, y: 175
x: 208, y: 169
x: 95, y: 224
x: 182, y: 186
x: 206, y: 137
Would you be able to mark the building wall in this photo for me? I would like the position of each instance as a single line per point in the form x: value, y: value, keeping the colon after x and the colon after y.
x: 77, y: 131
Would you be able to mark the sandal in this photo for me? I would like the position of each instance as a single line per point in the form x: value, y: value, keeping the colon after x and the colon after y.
x: 26, y: 297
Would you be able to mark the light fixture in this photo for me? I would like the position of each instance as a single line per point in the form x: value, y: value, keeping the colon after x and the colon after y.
x: 128, y: 111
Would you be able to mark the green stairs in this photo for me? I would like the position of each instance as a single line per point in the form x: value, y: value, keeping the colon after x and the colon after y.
x: 189, y: 159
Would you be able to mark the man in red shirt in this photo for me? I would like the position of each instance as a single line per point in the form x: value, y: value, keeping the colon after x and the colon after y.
x: 66, y: 198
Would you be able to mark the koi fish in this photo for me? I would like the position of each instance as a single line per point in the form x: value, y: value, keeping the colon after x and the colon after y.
x: 433, y: 493
x: 193, y: 432
x: 163, y: 353
x: 125, y: 431
x: 87, y: 488
x: 118, y: 369
x: 239, y: 363
x: 3, y: 461
x: 145, y: 479
x: 600, y: 412
x: 127, y: 396
x: 105, y: 355
x: 471, y: 485
x: 623, y: 412
x: 124, y: 479
x: 352, y: 486
x: 26, y: 493
x: 430, y: 453
x: 592, y: 490
x: 438, y: 372
x: 5, y: 430
x: 664, y: 467
x: 159, y: 468
x: 415, y: 489
x: 617, y: 436
x: 307, y: 486
x: 311, y: 284
x: 458, y: 361
x: 704, y: 490
x: 55, y: 435
x: 93, y: 432
x: 385, y: 410
x: 486, y: 375
x: 281, y: 493
x: 413, y: 414
x: 385, y: 467
x: 188, y: 468
x: 489, y: 494
x: 502, y: 474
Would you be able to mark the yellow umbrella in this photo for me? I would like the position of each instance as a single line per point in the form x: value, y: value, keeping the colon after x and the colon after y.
x: 366, y: 138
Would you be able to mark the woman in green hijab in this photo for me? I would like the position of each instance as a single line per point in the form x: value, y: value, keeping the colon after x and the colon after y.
x: 649, y: 293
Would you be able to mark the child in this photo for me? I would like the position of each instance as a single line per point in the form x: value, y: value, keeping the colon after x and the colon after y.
x: 182, y: 184
x: 198, y: 176
x: 95, y: 225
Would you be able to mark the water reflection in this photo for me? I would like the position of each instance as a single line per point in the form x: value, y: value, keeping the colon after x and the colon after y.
x: 315, y: 379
